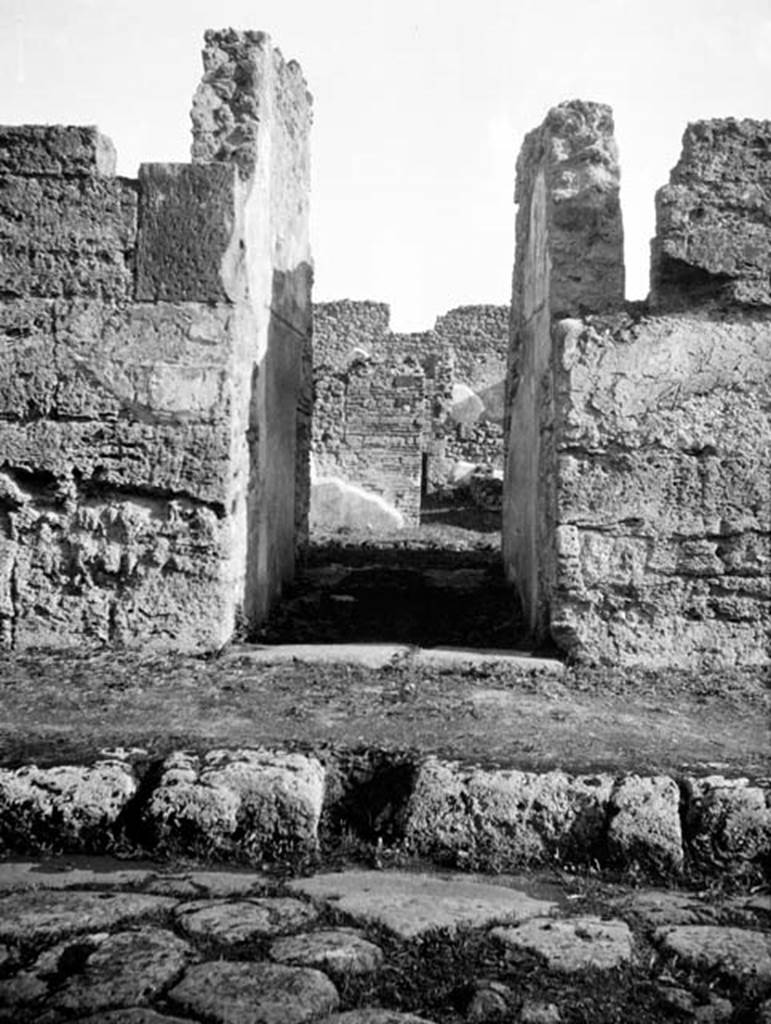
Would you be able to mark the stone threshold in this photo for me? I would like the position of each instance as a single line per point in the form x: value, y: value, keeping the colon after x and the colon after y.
x: 261, y: 806
x: 383, y: 655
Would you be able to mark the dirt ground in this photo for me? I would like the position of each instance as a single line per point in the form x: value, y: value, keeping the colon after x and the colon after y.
x: 437, y: 585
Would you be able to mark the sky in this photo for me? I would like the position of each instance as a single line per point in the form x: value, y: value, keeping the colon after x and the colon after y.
x: 420, y: 107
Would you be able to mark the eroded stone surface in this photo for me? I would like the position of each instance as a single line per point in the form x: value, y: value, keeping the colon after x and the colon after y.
x: 741, y: 954
x: 127, y: 968
x: 242, y: 921
x: 645, y: 823
x: 728, y: 822
x: 201, y: 884
x: 254, y: 993
x: 658, y: 907
x: 713, y: 227
x: 70, y: 806
x: 16, y: 875
x: 505, y: 819
x: 131, y: 1015
x: 574, y: 944
x: 270, y: 800
x: 375, y: 1015
x: 340, y: 951
x: 51, y: 915
x: 412, y: 904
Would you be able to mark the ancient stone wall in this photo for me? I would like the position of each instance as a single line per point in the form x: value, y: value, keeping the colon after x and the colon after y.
x: 154, y: 342
x: 464, y: 364
x: 369, y: 439
x: 478, y: 337
x: 638, y: 494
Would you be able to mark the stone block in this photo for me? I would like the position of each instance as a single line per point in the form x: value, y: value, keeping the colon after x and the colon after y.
x: 144, y: 571
x: 189, y: 246
x: 159, y: 362
x: 28, y: 373
x: 71, y: 807
x: 67, y: 237
x: 504, y: 820
x: 644, y: 827
x: 713, y: 219
x: 187, y: 460
x: 254, y: 802
x: 728, y: 823
x: 658, y: 475
x: 55, y: 150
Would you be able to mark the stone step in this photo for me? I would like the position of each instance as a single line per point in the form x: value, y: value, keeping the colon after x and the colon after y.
x: 115, y: 942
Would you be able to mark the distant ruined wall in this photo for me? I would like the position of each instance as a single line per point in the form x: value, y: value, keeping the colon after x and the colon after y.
x: 464, y: 364
x: 479, y: 339
x: 154, y: 347
x: 637, y: 520
x: 371, y: 422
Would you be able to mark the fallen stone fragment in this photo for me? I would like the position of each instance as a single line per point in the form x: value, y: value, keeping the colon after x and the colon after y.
x: 737, y: 953
x: 374, y: 1015
x: 224, y: 992
x: 69, y: 807
x: 337, y: 951
x: 573, y: 944
x: 233, y: 923
x: 372, y: 656
x: 645, y: 827
x: 535, y: 1012
x: 504, y: 820
x: 257, y: 802
x: 728, y: 823
x: 656, y: 907
x: 490, y: 1001
x: 411, y: 904
x: 46, y: 915
x: 15, y: 875
x: 716, y: 1011
x: 128, y: 967
x: 203, y: 884
x: 132, y: 1015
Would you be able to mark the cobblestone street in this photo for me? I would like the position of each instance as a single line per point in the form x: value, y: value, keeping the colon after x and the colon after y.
x: 127, y: 943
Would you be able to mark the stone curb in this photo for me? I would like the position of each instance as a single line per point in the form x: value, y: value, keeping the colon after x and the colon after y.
x: 263, y: 806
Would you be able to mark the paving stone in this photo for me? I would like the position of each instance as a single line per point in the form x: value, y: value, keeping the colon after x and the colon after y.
x: 51, y: 915
x: 338, y: 951
x: 247, y: 993
x: 128, y: 967
x: 738, y: 953
x: 260, y: 802
x: 132, y: 1015
x: 645, y: 824
x: 202, y: 884
x: 68, y: 806
x: 245, y: 920
x: 375, y: 1015
x: 16, y: 875
x: 658, y: 907
x: 536, y: 1012
x: 411, y: 904
x: 572, y: 944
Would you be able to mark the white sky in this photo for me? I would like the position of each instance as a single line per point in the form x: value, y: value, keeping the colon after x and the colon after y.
x: 420, y: 108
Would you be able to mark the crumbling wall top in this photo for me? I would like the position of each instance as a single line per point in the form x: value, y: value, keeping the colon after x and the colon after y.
x: 713, y: 219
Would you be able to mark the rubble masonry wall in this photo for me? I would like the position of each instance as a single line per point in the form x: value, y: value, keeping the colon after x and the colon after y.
x: 155, y: 341
x: 637, y: 517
